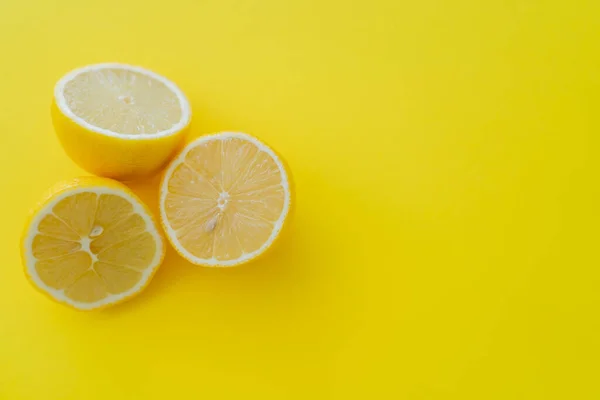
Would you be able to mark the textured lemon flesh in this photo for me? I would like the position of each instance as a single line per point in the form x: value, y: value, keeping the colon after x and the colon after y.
x: 119, y: 121
x: 122, y: 101
x: 92, y: 246
x: 224, y: 200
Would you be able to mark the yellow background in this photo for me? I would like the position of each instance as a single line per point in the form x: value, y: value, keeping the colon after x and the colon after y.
x: 445, y: 244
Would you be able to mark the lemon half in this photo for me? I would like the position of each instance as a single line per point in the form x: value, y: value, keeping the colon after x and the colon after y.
x: 91, y: 243
x: 225, y: 199
x: 119, y: 121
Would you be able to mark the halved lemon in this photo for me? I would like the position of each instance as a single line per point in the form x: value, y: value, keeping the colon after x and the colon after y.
x: 224, y: 199
x: 119, y: 121
x: 91, y: 243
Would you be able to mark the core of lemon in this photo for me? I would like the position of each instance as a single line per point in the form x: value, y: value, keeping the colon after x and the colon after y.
x: 118, y: 120
x: 91, y: 243
x: 224, y: 199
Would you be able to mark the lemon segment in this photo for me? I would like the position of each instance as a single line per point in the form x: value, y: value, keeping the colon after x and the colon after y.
x: 224, y: 199
x: 119, y: 121
x: 91, y: 243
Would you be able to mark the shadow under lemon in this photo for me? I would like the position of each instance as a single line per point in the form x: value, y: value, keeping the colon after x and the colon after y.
x: 281, y: 268
x: 292, y: 303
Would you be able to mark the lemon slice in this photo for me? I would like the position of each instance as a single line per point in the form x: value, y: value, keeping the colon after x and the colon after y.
x: 119, y: 121
x: 91, y: 243
x: 224, y: 200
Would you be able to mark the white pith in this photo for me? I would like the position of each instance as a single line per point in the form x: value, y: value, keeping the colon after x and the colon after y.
x: 277, y: 225
x: 64, y: 108
x: 58, y: 294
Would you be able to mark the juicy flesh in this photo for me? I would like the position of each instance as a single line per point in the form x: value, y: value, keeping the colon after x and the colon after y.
x: 224, y: 200
x: 123, y: 101
x: 92, y: 245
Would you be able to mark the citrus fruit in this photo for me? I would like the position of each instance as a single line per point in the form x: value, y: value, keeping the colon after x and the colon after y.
x: 119, y: 121
x: 91, y: 243
x: 224, y: 199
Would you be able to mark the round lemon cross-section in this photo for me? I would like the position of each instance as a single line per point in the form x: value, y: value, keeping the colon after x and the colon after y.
x: 119, y: 121
x: 225, y: 199
x: 91, y: 243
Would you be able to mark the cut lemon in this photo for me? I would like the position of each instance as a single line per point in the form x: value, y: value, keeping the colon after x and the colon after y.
x: 119, y: 121
x: 224, y: 199
x: 91, y: 243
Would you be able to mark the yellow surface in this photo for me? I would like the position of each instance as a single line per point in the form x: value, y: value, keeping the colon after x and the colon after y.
x: 445, y: 240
